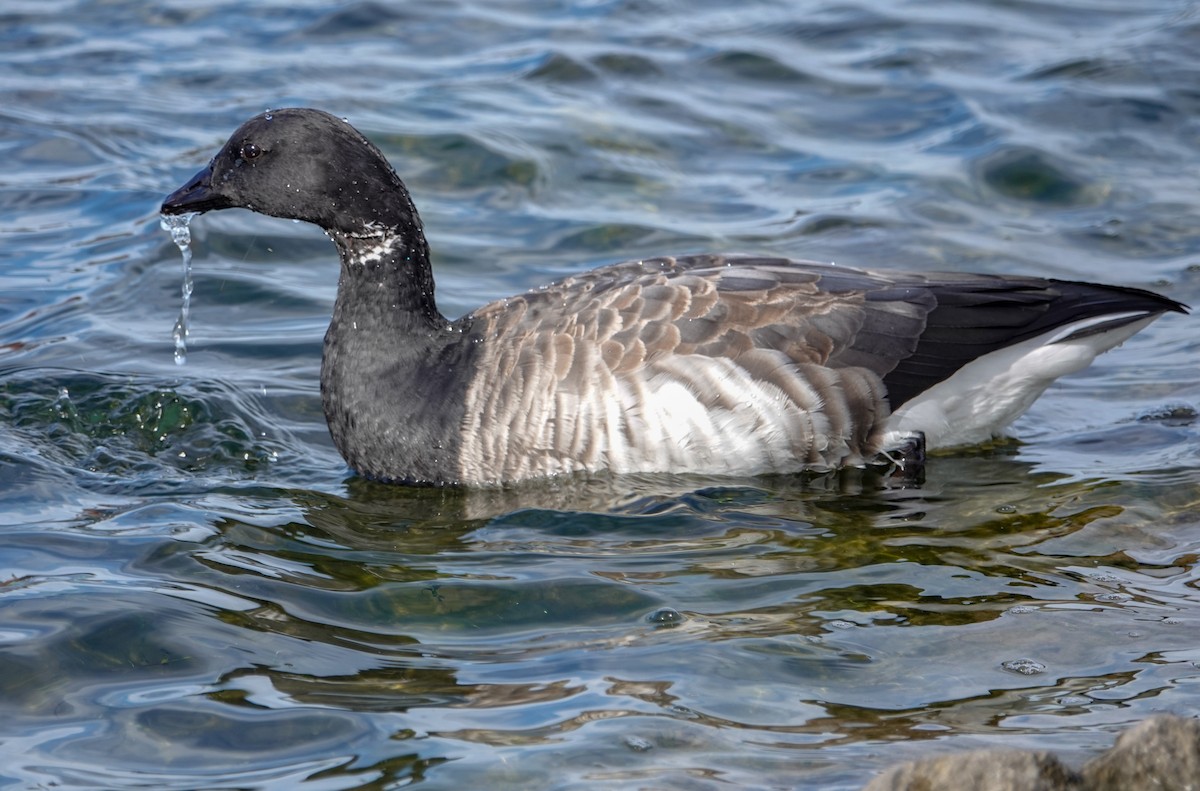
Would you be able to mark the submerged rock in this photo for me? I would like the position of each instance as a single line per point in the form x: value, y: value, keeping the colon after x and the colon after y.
x: 980, y: 770
x: 1161, y: 753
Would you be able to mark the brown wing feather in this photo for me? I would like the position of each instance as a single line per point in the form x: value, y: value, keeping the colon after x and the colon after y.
x: 553, y: 357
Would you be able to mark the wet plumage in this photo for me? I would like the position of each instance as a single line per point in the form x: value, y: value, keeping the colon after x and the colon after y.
x: 705, y: 364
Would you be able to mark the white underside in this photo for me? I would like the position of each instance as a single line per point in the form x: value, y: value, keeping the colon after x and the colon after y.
x: 675, y: 431
x: 986, y: 395
x: 687, y: 414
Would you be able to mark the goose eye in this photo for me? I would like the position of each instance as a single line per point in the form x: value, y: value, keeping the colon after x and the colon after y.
x: 250, y: 151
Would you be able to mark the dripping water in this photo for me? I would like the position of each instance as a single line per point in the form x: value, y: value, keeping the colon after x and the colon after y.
x: 177, y: 226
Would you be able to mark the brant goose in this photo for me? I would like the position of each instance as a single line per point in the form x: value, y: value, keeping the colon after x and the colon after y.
x: 707, y: 364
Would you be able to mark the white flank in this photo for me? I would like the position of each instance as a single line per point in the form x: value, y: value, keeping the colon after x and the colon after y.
x: 673, y: 430
x: 682, y: 414
x: 984, y: 396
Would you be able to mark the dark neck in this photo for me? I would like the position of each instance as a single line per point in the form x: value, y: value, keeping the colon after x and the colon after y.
x: 386, y: 279
x: 394, y: 371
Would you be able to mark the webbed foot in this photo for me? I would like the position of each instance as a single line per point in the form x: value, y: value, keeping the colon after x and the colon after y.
x: 908, y: 460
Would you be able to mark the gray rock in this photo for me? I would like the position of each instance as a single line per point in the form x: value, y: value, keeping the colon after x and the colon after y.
x: 1161, y: 753
x: 980, y: 770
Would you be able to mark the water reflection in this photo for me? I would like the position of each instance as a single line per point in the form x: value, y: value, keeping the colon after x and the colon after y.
x: 396, y: 632
x: 197, y: 596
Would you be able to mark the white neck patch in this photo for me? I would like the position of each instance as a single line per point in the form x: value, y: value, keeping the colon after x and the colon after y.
x: 371, y: 245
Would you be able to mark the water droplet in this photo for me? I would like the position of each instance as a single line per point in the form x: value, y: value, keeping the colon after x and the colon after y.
x: 665, y: 616
x: 638, y: 744
x: 841, y: 624
x: 63, y: 406
x: 1021, y: 609
x: 1006, y: 509
x: 1025, y: 667
x: 181, y: 235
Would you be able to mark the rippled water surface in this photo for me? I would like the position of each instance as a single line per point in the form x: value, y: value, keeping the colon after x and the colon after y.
x: 197, y: 594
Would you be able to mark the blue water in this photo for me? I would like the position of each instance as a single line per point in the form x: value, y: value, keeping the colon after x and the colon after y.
x: 197, y: 593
